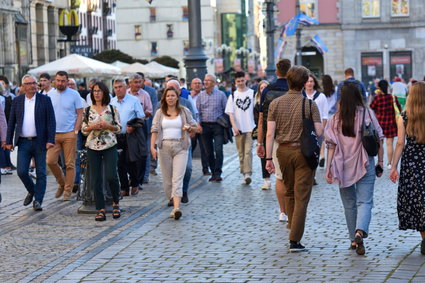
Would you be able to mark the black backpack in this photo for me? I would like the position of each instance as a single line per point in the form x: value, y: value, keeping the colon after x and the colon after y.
x: 273, y: 93
x: 310, y: 147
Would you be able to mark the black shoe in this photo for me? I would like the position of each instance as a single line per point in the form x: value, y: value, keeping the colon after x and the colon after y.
x: 140, y: 187
x: 423, y: 247
x: 295, y: 247
x: 322, y: 162
x: 28, y: 199
x: 207, y: 173
x: 212, y: 179
x: 0, y: 197
x: 170, y: 202
x: 145, y: 181
x: 75, y: 188
x: 360, y: 249
x: 315, y: 182
x: 218, y: 179
x: 37, y: 206
x: 185, y: 199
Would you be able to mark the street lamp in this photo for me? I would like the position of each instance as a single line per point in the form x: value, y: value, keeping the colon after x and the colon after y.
x: 224, y: 50
x: 254, y: 56
x: 270, y: 29
x: 243, y: 54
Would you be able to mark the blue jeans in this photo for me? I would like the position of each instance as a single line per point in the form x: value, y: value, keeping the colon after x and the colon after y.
x: 78, y: 161
x: 188, y: 173
x: 213, y: 139
x: 358, y: 202
x: 28, y: 149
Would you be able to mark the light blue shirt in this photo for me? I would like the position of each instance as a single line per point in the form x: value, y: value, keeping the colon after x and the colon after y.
x: 65, y: 104
x: 129, y: 108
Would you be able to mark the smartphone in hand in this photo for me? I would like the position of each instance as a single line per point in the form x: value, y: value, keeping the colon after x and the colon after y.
x: 378, y: 170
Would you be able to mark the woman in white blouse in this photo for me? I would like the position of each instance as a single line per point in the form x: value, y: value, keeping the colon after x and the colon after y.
x: 171, y: 126
x: 100, y: 125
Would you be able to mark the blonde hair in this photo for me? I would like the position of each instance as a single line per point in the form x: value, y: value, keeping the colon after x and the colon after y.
x: 258, y: 94
x: 415, y: 111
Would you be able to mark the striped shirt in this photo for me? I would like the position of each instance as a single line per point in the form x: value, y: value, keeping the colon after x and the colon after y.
x: 211, y: 106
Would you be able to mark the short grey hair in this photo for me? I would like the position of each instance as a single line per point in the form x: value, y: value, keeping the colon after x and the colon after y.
x: 135, y: 77
x: 120, y: 80
x: 93, y: 81
x: 28, y: 76
x: 72, y: 80
x: 174, y: 83
x: 212, y: 76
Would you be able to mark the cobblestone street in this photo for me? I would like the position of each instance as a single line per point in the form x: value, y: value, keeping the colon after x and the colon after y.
x: 228, y: 233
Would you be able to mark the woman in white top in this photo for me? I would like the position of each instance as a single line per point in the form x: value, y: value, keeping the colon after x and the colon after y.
x: 329, y: 91
x: 171, y: 126
x: 312, y: 92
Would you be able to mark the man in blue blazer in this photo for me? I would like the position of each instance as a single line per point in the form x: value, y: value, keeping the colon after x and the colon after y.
x: 32, y: 128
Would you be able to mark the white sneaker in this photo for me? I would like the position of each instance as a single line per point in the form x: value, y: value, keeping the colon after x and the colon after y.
x: 283, y: 217
x: 32, y: 174
x: 266, y: 185
x: 389, y: 166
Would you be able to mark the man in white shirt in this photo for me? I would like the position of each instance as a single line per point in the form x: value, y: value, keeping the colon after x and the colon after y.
x: 239, y: 107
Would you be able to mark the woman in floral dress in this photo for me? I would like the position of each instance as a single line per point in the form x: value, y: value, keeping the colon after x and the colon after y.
x: 101, y: 123
x: 411, y: 148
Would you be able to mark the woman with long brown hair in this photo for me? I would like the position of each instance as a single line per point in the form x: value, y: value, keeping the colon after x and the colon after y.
x: 171, y: 126
x: 349, y: 165
x: 411, y: 148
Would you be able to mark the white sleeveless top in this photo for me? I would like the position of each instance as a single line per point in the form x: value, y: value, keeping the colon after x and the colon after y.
x: 172, y: 128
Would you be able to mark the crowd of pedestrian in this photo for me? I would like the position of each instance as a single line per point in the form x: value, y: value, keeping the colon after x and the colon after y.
x: 298, y: 121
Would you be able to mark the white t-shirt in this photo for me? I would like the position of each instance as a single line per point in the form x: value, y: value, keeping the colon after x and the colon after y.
x: 399, y: 88
x: 172, y: 128
x: 241, y: 104
x: 322, y: 104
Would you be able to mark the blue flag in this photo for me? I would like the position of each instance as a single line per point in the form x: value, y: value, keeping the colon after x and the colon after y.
x: 319, y: 44
x: 306, y: 20
x: 291, y: 26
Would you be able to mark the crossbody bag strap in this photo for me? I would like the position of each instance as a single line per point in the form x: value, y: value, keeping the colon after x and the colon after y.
x: 311, y: 114
x: 303, y: 108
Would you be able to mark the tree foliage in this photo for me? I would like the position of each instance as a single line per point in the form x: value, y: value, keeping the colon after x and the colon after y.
x: 112, y: 55
x: 167, y: 61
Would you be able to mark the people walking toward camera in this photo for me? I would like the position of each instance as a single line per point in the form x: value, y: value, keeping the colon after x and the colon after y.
x: 349, y: 165
x: 384, y: 106
x: 32, y: 128
x: 100, y: 126
x: 284, y: 126
x: 239, y: 107
x: 69, y: 113
x: 171, y: 126
x: 411, y: 149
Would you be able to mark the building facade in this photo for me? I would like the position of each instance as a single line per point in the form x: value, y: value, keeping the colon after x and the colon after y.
x: 378, y: 38
x: 98, y: 27
x: 146, y: 31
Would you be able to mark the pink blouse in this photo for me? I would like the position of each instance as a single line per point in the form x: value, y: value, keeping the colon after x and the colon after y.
x: 350, y: 157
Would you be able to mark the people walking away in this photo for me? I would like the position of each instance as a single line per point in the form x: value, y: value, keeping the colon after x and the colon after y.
x: 384, y: 107
x: 349, y: 77
x: 411, y: 149
x: 68, y: 113
x: 265, y: 174
x: 5, y: 162
x: 170, y: 132
x: 128, y: 107
x: 271, y: 92
x: 399, y: 90
x: 312, y: 92
x: 240, y: 108
x: 31, y: 127
x: 101, y: 122
x: 284, y: 126
x: 349, y: 165
x: 211, y: 104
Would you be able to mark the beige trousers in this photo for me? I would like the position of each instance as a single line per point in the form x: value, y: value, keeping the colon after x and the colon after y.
x: 67, y: 142
x: 244, y: 147
x: 173, y: 160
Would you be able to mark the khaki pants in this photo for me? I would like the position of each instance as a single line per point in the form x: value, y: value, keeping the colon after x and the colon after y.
x: 173, y: 160
x: 67, y: 142
x: 244, y: 147
x: 298, y: 180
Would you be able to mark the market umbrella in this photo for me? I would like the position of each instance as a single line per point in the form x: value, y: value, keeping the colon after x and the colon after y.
x: 164, y: 69
x: 77, y: 66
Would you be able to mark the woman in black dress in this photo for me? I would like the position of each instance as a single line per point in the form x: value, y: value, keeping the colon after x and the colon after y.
x: 411, y: 148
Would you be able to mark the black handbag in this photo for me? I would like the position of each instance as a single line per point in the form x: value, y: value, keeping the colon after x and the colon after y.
x: 370, y: 138
x: 310, y: 147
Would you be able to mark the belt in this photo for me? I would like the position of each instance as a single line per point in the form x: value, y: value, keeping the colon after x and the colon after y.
x: 290, y: 144
x: 209, y: 123
x: 28, y: 138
